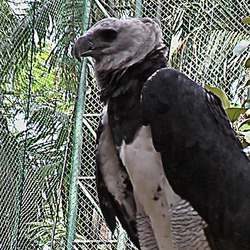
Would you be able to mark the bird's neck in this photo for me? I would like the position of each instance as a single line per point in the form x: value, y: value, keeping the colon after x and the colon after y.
x: 119, y: 81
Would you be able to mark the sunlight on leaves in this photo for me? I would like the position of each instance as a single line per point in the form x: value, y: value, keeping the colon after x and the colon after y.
x: 221, y: 94
x: 240, y: 47
x: 234, y: 113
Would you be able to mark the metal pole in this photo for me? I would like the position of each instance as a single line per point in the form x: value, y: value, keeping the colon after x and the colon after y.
x: 77, y: 141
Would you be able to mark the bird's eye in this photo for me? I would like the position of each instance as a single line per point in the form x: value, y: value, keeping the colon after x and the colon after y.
x: 108, y: 35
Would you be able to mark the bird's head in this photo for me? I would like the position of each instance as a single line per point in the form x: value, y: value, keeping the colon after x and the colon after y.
x: 118, y: 44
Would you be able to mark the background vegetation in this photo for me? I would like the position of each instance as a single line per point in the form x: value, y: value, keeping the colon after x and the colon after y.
x: 39, y: 80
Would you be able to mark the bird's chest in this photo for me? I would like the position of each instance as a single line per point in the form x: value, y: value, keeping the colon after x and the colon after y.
x: 125, y: 117
x: 152, y: 191
x: 136, y: 150
x: 142, y: 162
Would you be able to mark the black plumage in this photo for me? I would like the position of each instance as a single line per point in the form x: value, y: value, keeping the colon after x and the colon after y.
x: 202, y: 156
x: 167, y: 157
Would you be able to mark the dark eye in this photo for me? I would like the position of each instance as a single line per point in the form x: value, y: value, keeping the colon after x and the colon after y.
x: 108, y: 35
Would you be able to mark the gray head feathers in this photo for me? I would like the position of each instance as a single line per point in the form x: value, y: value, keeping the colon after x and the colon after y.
x: 118, y: 44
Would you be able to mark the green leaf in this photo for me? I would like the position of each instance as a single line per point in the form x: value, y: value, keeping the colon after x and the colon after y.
x: 246, y: 20
x: 245, y: 125
x: 221, y: 94
x: 246, y: 136
x: 234, y: 113
x: 175, y: 42
x: 240, y: 47
x: 247, y: 64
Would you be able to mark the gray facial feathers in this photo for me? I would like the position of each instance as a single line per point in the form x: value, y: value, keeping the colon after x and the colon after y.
x: 118, y: 44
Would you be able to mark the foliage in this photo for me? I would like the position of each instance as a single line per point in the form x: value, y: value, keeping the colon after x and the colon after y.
x: 214, y: 64
x: 46, y: 67
x: 238, y: 114
x: 38, y: 84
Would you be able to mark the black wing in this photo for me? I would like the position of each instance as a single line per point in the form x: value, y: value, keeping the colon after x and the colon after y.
x: 114, y: 188
x: 202, y: 157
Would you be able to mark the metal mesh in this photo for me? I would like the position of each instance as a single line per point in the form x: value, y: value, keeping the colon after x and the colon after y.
x: 38, y: 92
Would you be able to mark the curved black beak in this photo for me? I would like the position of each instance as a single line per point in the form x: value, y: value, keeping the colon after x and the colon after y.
x: 82, y: 47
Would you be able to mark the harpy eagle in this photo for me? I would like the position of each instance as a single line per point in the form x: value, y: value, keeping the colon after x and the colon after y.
x: 168, y: 163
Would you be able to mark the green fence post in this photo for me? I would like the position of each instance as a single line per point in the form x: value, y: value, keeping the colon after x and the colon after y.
x: 77, y: 141
x: 138, y: 8
x: 76, y: 160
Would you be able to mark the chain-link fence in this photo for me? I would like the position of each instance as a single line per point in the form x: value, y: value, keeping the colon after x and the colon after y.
x: 48, y: 197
